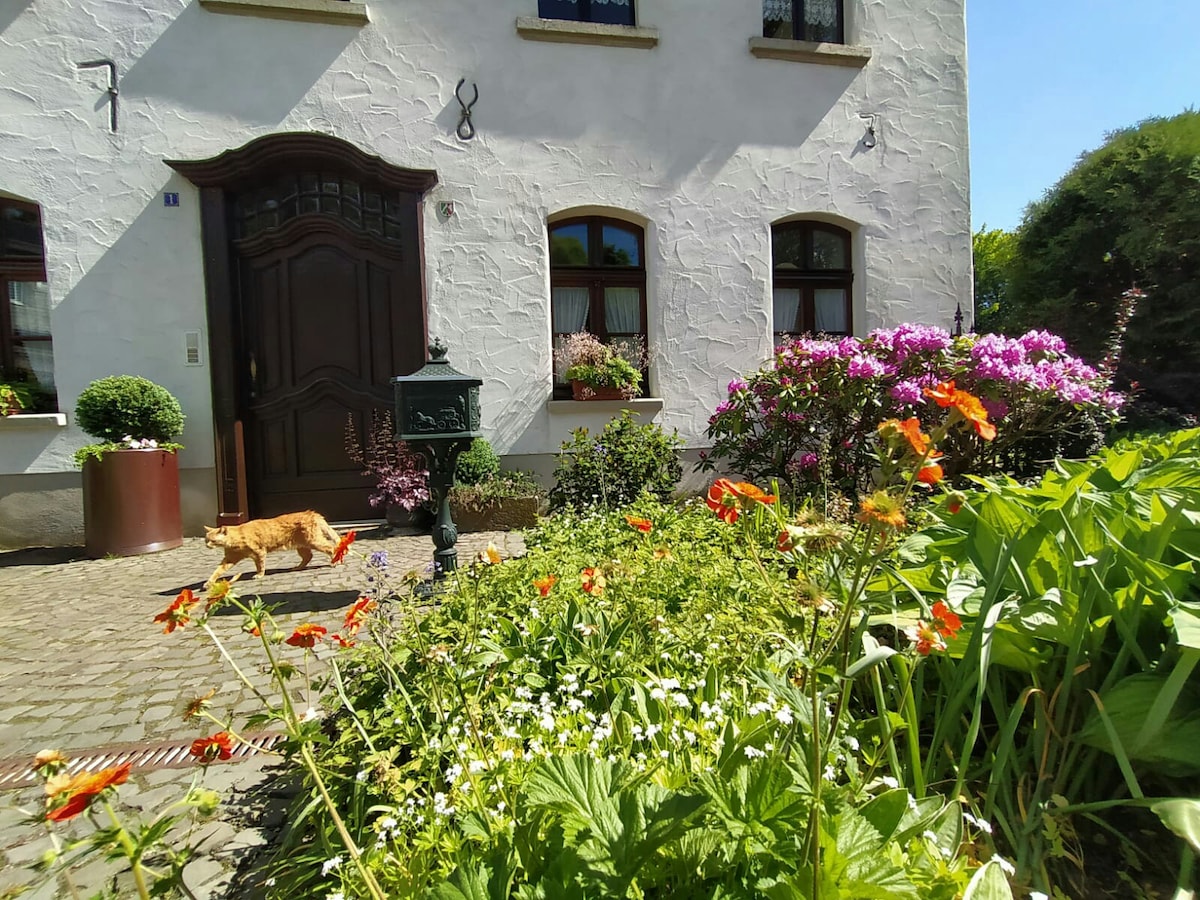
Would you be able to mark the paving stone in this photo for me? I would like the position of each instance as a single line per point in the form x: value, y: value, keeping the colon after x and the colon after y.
x: 121, y: 679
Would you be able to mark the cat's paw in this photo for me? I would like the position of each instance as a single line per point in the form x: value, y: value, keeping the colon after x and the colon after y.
x: 260, y: 574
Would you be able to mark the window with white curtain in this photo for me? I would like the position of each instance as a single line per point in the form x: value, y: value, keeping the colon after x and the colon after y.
x: 597, y: 283
x: 26, y: 349
x: 609, y: 12
x: 811, y: 278
x: 805, y: 20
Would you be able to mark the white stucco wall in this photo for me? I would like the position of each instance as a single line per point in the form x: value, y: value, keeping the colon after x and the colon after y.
x: 704, y: 142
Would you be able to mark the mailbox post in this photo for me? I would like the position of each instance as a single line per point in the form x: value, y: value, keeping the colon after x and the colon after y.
x: 437, y: 414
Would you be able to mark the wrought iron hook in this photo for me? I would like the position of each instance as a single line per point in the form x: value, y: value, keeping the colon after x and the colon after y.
x: 466, y: 129
x: 112, y: 85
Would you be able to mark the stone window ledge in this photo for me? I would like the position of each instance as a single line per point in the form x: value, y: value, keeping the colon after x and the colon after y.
x: 642, y: 405
x: 810, y: 52
x: 33, y: 420
x: 332, y: 12
x: 566, y: 32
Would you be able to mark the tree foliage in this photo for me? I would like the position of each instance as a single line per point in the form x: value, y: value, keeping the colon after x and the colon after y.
x: 993, y: 252
x: 1127, y: 214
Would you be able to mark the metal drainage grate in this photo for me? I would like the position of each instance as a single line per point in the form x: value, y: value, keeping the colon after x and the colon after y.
x: 17, y: 772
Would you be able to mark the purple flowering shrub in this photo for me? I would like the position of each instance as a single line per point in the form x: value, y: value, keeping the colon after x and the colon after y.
x: 808, y: 418
x: 401, y: 478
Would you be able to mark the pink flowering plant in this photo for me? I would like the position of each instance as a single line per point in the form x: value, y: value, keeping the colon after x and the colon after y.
x: 808, y: 417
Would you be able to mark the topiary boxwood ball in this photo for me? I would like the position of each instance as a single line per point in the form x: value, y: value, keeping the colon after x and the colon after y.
x: 121, y: 406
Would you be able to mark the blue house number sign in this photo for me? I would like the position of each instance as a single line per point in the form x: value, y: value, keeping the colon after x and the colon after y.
x: 170, y: 199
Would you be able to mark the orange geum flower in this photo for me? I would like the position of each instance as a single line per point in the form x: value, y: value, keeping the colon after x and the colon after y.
x: 489, y: 555
x: 966, y: 404
x: 219, y: 591
x: 307, y: 635
x: 207, y: 749
x: 882, y: 509
x: 593, y: 581
x: 645, y: 526
x: 931, y: 474
x: 81, y: 790
x: 53, y: 758
x: 178, y: 613
x: 945, y: 622
x: 339, y: 552
x: 356, y: 616
x: 751, y: 493
x: 924, y: 637
x: 544, y: 585
x: 722, y: 500
x: 341, y: 641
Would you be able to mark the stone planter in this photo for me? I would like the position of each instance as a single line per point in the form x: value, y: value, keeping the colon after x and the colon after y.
x: 131, y: 503
x: 580, y: 391
x: 496, y: 515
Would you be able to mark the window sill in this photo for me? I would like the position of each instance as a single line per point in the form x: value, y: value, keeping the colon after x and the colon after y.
x: 33, y: 420
x: 648, y: 405
x: 332, y: 12
x: 562, y: 31
x: 810, y: 52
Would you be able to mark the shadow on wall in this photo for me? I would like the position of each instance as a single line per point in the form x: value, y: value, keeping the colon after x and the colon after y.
x: 11, y: 10
x: 130, y: 310
x: 255, y: 70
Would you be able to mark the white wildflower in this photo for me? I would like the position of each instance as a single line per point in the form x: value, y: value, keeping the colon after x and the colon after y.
x: 331, y: 865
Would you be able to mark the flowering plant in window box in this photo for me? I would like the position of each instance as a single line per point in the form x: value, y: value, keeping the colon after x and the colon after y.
x: 599, y: 371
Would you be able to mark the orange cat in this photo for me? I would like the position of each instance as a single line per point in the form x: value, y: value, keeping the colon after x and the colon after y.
x: 303, y: 532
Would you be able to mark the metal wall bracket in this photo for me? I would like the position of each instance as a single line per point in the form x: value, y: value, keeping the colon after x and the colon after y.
x: 466, y: 129
x: 112, y: 85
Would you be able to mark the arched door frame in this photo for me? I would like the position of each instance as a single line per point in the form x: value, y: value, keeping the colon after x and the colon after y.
x: 218, y: 179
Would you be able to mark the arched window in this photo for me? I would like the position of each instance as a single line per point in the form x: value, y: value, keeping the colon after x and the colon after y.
x: 805, y: 20
x: 597, y: 283
x: 811, y: 277
x: 26, y: 354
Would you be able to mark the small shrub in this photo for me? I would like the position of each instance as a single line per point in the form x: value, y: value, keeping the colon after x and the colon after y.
x: 401, y: 478
x: 477, y: 464
x: 617, y: 466
x: 120, y: 407
x: 503, y: 486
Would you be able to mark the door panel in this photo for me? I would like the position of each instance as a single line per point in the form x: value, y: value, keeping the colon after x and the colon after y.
x: 327, y: 324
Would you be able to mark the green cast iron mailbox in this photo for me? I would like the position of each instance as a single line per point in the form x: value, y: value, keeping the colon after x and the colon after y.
x: 437, y: 414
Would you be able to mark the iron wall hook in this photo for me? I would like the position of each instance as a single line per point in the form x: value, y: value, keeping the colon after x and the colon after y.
x: 112, y: 85
x: 869, y: 140
x: 466, y: 129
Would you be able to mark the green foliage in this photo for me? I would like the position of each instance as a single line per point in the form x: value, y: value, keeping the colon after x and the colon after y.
x: 479, y: 463
x: 993, y: 254
x: 97, y: 451
x: 1072, y: 681
x: 615, y: 467
x: 530, y: 738
x: 1127, y: 213
x: 13, y: 399
x: 121, y: 407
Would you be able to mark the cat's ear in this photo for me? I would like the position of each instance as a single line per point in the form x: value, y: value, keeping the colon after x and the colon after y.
x: 208, y: 530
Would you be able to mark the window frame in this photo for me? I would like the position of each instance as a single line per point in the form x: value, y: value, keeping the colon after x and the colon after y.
x: 810, y: 280
x: 596, y: 278
x: 798, y: 23
x: 585, y: 14
x: 15, y: 269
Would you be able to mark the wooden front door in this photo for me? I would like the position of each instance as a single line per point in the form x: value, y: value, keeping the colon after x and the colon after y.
x: 327, y: 324
x: 313, y: 268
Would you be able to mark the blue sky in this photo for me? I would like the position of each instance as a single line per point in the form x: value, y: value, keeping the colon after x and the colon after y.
x: 1049, y: 78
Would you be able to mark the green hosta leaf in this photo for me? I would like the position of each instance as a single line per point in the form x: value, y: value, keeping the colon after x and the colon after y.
x: 1174, y: 748
x: 1182, y: 816
x: 1186, y: 619
x: 988, y: 883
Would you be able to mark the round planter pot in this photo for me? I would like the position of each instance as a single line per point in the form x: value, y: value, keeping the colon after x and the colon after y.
x: 131, y: 503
